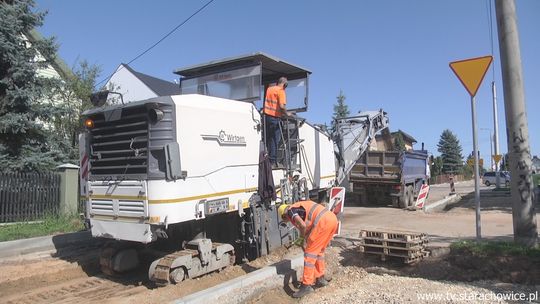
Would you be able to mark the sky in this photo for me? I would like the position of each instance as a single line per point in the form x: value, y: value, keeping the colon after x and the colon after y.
x: 388, y: 54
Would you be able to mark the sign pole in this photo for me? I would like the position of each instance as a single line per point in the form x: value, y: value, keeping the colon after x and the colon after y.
x: 471, y: 72
x: 476, y: 171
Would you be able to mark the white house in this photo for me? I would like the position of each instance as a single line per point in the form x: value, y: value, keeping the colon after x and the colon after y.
x: 56, y: 68
x: 135, y: 86
x: 536, y: 165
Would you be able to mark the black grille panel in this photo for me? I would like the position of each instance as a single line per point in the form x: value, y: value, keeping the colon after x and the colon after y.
x: 119, y: 142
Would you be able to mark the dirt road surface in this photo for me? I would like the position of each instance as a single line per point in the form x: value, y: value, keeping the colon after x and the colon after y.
x: 440, y: 191
x: 72, y: 275
x: 458, y: 222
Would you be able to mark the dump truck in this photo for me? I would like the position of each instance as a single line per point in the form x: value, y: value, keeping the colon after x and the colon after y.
x: 384, y: 177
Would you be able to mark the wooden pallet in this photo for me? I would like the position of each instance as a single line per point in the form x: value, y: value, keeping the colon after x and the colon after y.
x: 406, y: 245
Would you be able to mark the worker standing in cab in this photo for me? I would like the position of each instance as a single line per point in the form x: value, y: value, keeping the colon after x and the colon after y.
x: 274, y: 109
x: 317, y: 226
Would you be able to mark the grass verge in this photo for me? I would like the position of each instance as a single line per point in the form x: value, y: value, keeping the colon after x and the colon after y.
x: 484, y: 249
x: 50, y: 225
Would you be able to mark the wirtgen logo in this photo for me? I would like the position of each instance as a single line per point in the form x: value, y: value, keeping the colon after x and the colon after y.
x: 227, y: 139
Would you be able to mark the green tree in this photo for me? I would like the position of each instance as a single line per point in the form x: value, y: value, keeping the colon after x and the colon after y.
x: 73, y: 96
x: 399, y: 142
x: 504, y: 163
x: 450, y: 150
x: 468, y: 170
x: 24, y: 137
x: 436, y: 166
x: 341, y: 110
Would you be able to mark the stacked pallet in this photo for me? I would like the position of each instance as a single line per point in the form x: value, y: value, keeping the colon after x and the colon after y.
x: 408, y: 246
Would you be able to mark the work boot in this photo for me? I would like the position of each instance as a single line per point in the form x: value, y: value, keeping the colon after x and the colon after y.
x: 304, y: 290
x: 321, y: 282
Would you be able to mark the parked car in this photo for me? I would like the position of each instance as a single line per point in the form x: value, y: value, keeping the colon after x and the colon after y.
x: 489, y: 178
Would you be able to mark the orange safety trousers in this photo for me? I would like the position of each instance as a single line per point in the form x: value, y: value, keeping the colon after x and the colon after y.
x: 318, y: 239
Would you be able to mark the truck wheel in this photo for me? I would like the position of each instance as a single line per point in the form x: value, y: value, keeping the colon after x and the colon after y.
x: 395, y: 202
x: 404, y: 199
x: 410, y: 191
x: 487, y: 183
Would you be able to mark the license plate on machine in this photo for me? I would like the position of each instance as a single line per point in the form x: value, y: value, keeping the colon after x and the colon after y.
x: 217, y: 206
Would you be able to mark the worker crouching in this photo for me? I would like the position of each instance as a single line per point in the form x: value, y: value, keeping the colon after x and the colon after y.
x: 317, y: 226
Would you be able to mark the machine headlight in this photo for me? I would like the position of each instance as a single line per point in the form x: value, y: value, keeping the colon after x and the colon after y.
x: 89, y: 123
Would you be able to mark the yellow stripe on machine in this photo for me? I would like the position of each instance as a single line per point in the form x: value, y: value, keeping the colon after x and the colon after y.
x: 199, y: 197
x: 174, y: 200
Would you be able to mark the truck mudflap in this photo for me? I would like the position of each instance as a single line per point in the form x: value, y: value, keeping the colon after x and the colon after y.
x: 336, y: 204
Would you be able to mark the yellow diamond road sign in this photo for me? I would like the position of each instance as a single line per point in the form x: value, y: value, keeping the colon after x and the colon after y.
x: 497, y: 158
x: 470, y: 162
x: 471, y: 72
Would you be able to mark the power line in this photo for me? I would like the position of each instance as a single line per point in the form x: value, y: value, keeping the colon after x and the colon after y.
x: 159, y: 41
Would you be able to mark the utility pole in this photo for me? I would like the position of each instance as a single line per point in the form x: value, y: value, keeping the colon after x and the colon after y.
x: 490, y: 147
x: 496, y: 135
x: 519, y: 154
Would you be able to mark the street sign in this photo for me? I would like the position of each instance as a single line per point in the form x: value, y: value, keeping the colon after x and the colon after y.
x: 470, y: 162
x: 471, y: 72
x: 336, y: 203
x: 497, y: 158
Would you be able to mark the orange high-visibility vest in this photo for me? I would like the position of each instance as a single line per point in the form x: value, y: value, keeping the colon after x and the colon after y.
x: 275, y: 96
x: 314, y: 212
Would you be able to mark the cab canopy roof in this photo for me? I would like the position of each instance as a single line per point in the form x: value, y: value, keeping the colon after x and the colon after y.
x: 272, y: 67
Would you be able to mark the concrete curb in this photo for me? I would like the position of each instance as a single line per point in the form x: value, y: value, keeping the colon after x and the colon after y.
x: 25, y: 246
x: 441, y: 204
x: 266, y: 274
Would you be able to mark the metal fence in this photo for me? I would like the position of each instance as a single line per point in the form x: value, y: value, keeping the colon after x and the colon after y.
x: 28, y: 196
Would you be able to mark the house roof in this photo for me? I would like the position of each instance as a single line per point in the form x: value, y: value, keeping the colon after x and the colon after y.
x: 405, y: 135
x: 58, y: 64
x: 159, y: 86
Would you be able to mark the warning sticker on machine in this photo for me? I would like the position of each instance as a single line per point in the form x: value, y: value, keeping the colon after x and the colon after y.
x: 217, y: 206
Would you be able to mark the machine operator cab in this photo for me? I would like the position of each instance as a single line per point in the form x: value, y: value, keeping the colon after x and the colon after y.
x: 246, y: 78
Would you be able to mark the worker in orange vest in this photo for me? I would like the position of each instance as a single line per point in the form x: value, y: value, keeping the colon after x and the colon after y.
x: 317, y: 226
x: 274, y: 109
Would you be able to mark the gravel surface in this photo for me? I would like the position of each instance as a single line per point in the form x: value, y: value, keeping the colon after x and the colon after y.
x: 364, y: 287
x: 355, y: 281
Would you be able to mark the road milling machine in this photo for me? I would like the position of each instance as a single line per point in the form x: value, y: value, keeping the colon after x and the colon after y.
x: 177, y: 181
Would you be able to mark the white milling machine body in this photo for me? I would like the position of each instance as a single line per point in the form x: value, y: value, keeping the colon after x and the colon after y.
x: 181, y: 172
